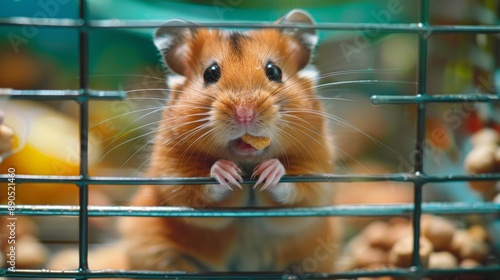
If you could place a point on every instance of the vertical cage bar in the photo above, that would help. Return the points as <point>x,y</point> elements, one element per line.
<point>84,114</point>
<point>420,133</point>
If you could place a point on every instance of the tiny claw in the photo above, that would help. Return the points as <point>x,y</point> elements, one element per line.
<point>258,182</point>
<point>270,172</point>
<point>225,172</point>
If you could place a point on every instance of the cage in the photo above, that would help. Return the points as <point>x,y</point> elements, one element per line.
<point>438,70</point>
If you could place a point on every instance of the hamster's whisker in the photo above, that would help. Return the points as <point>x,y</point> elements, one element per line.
<point>141,136</point>
<point>137,151</point>
<point>281,147</point>
<point>296,142</point>
<point>161,132</point>
<point>330,98</point>
<point>142,147</point>
<point>181,137</point>
<point>204,122</point>
<point>139,118</point>
<point>194,131</point>
<point>123,133</point>
<point>106,105</point>
<point>123,143</point>
<point>147,89</point>
<point>343,122</point>
<point>213,142</point>
<point>355,71</point>
<point>326,139</point>
<point>363,82</point>
<point>212,139</point>
<point>149,98</point>
<point>296,125</point>
<point>127,75</point>
<point>153,109</point>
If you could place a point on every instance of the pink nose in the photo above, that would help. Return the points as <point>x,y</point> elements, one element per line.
<point>244,114</point>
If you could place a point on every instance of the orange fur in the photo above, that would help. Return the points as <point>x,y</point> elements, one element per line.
<point>196,131</point>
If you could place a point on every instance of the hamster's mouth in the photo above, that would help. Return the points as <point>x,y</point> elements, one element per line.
<point>244,148</point>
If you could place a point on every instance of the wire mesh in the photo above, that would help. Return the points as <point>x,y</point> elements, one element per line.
<point>83,180</point>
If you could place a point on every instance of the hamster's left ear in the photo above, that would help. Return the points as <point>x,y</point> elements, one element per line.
<point>306,37</point>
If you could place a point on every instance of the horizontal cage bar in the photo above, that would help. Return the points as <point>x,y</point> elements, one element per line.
<point>410,272</point>
<point>426,98</point>
<point>452,208</point>
<point>386,27</point>
<point>78,95</point>
<point>330,178</point>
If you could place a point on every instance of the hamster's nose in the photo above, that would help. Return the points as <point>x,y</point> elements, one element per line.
<point>244,114</point>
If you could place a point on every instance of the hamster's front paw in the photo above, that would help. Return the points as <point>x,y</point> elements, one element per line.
<point>227,173</point>
<point>270,172</point>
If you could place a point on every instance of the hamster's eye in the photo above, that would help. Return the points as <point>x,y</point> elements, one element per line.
<point>273,72</point>
<point>212,74</point>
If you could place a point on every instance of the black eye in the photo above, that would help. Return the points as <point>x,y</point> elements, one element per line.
<point>273,72</point>
<point>212,74</point>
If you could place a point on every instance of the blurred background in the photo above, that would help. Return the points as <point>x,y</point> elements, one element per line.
<point>354,65</point>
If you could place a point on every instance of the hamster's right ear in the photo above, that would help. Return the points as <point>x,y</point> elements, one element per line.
<point>172,42</point>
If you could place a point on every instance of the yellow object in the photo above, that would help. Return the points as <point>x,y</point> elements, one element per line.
<point>46,143</point>
<point>257,142</point>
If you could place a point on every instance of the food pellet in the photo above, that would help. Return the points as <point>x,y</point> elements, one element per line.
<point>257,142</point>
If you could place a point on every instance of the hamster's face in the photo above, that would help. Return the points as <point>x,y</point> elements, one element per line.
<point>233,84</point>
<point>244,83</point>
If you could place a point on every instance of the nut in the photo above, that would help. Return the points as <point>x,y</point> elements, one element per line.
<point>402,252</point>
<point>376,234</point>
<point>442,260</point>
<point>460,238</point>
<point>438,230</point>
<point>478,232</point>
<point>397,231</point>
<point>485,136</point>
<point>469,263</point>
<point>474,250</point>
<point>481,159</point>
<point>257,142</point>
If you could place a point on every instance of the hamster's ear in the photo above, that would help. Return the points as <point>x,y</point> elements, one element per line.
<point>307,37</point>
<point>173,42</point>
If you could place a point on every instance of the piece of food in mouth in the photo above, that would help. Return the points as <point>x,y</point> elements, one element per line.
<point>257,142</point>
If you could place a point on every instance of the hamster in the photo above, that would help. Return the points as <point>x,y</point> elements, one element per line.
<point>228,84</point>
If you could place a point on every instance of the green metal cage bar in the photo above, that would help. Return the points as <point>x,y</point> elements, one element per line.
<point>418,178</point>
<point>386,28</point>
<point>77,95</point>
<point>83,215</point>
<point>420,133</point>
<point>456,208</point>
